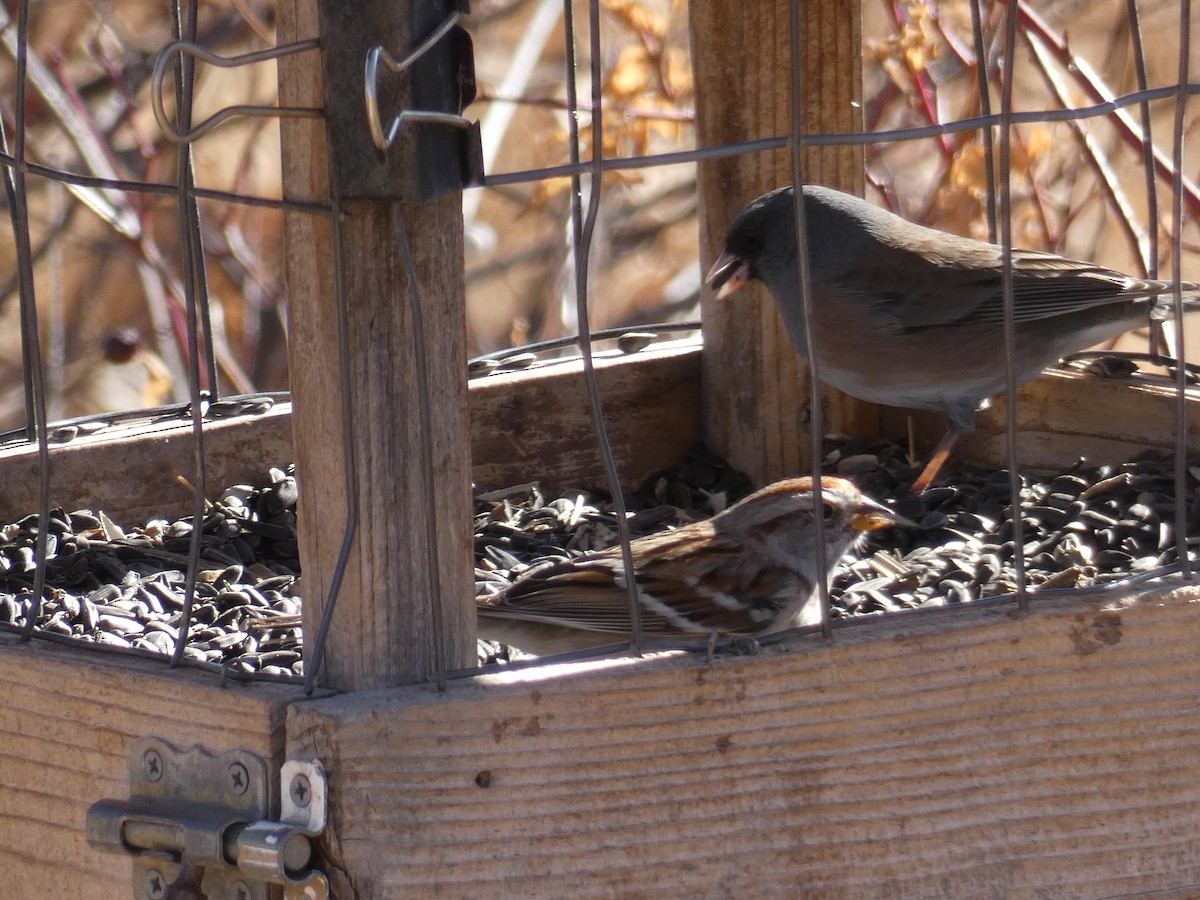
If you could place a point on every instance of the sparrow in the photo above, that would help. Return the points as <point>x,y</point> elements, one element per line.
<point>906,315</point>
<point>747,571</point>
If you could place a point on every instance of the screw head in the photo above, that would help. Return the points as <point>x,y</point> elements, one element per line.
<point>239,779</point>
<point>300,790</point>
<point>152,765</point>
<point>239,890</point>
<point>156,885</point>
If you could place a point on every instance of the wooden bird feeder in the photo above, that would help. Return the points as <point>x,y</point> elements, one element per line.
<point>980,753</point>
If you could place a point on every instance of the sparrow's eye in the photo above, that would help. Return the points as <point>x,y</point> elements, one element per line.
<point>828,511</point>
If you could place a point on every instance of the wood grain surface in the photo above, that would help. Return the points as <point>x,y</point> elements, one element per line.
<point>756,388</point>
<point>973,754</point>
<point>132,471</point>
<point>390,595</point>
<point>536,425</point>
<point>67,721</point>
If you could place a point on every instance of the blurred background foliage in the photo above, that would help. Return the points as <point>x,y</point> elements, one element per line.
<point>107,262</point>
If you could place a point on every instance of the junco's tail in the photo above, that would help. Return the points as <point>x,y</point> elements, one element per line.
<point>1163,293</point>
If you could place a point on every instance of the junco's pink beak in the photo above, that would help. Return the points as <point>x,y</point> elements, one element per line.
<point>728,274</point>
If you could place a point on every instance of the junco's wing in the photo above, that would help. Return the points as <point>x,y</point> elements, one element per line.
<point>1045,285</point>
<point>917,289</point>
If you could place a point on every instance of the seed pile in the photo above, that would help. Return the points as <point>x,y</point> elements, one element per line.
<point>124,586</point>
<point>1084,527</point>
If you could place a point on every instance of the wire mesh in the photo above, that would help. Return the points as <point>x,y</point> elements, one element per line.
<point>803,271</point>
<point>1005,122</point>
<point>997,32</point>
<point>183,300</point>
<point>1004,213</point>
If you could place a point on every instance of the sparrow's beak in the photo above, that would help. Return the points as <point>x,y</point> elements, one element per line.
<point>728,274</point>
<point>872,516</point>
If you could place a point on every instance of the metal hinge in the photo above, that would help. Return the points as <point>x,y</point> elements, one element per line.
<point>196,825</point>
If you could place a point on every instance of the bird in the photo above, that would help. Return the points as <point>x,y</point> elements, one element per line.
<point>749,570</point>
<point>906,315</point>
<point>124,374</point>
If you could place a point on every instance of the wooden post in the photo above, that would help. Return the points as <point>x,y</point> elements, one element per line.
<point>382,632</point>
<point>755,385</point>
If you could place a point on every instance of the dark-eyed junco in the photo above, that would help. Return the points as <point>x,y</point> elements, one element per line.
<point>748,570</point>
<point>911,316</point>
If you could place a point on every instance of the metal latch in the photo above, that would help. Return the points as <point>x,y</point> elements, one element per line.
<point>196,825</point>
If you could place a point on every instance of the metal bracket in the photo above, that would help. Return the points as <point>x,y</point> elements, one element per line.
<point>196,822</point>
<point>407,139</point>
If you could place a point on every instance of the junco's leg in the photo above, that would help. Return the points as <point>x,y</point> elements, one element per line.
<point>940,454</point>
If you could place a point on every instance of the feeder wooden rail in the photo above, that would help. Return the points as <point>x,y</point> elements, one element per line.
<point>980,753</point>
<point>975,753</point>
<point>654,411</point>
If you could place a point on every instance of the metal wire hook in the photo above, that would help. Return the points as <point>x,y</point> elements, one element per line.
<point>378,54</point>
<point>225,62</point>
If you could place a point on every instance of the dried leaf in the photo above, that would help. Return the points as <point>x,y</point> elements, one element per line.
<point>1031,144</point>
<point>637,18</point>
<point>911,49</point>
<point>958,209</point>
<point>969,169</point>
<point>634,73</point>
<point>547,190</point>
<point>678,74</point>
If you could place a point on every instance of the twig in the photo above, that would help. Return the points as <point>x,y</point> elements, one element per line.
<point>110,205</point>
<point>495,121</point>
<point>1099,92</point>
<point>1094,155</point>
<point>926,91</point>
<point>556,103</point>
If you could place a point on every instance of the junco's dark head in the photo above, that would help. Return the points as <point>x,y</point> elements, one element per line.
<point>906,315</point>
<point>761,242</point>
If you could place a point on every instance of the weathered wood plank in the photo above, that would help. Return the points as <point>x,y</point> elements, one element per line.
<point>756,387</point>
<point>1065,415</point>
<point>68,718</point>
<point>385,632</point>
<point>132,471</point>
<point>536,425</point>
<point>525,426</point>
<point>976,753</point>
